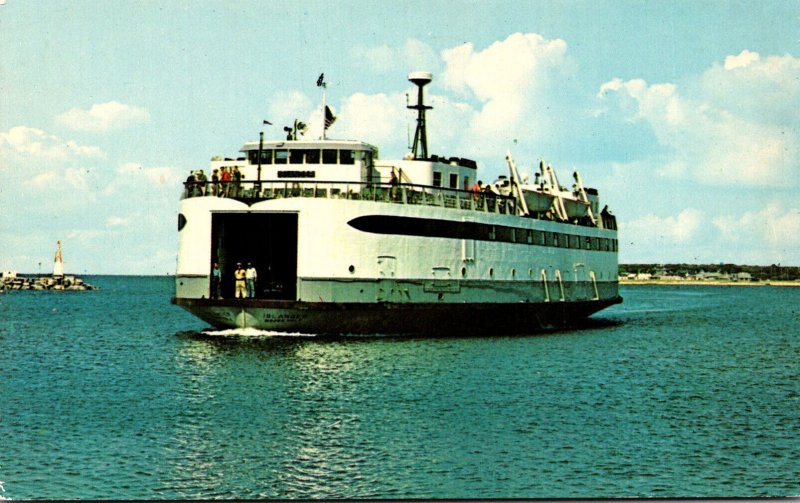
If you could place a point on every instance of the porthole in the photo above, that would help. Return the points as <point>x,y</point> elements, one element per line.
<point>513,273</point>
<point>181,221</point>
<point>463,272</point>
<point>491,272</point>
<point>352,269</point>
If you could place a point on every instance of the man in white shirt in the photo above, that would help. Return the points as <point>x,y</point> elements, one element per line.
<point>251,277</point>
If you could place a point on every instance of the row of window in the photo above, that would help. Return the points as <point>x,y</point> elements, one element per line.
<point>309,156</point>
<point>554,239</point>
<point>437,180</point>
<point>431,227</point>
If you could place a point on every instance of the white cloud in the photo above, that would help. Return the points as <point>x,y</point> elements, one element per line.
<point>33,143</point>
<point>763,91</point>
<point>510,80</point>
<point>379,59</point>
<point>501,89</point>
<point>413,55</point>
<point>66,180</point>
<point>673,229</point>
<point>132,177</point>
<point>43,179</point>
<point>418,55</point>
<point>743,59</point>
<point>735,126</point>
<point>285,107</point>
<point>376,118</point>
<point>114,221</point>
<point>103,117</point>
<point>512,66</point>
<point>771,226</point>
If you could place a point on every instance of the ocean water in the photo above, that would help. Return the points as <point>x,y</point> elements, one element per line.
<point>679,392</point>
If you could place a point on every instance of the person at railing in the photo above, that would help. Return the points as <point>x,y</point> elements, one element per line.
<point>237,182</point>
<point>394,190</point>
<point>476,190</point>
<point>226,181</point>
<point>192,185</point>
<point>215,182</point>
<point>202,182</point>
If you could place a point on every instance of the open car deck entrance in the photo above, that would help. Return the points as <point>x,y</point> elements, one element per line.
<point>267,240</point>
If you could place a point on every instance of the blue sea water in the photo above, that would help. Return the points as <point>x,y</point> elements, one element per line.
<point>679,392</point>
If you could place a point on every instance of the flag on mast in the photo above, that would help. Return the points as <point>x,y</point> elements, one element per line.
<point>321,81</point>
<point>329,117</point>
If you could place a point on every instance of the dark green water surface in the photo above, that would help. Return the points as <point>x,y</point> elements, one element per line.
<point>678,392</point>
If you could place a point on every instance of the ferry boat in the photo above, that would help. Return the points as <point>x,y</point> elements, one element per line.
<point>344,242</point>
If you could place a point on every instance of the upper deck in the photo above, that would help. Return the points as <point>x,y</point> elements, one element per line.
<point>252,191</point>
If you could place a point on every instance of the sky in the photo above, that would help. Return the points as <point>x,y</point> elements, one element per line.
<point>683,114</point>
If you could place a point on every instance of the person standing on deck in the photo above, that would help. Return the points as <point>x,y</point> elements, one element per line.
<point>190,184</point>
<point>239,275</point>
<point>251,275</point>
<point>202,182</point>
<point>216,280</point>
<point>477,189</point>
<point>393,188</point>
<point>237,182</point>
<point>215,182</point>
<point>226,182</point>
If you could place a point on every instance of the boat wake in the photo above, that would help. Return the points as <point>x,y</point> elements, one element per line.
<point>252,332</point>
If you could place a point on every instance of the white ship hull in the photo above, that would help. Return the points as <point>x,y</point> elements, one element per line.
<point>380,268</point>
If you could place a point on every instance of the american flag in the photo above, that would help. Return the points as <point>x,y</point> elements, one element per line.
<point>329,117</point>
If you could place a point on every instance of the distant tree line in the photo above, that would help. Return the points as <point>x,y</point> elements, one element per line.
<point>774,272</point>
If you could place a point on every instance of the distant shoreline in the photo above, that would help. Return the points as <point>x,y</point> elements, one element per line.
<point>673,282</point>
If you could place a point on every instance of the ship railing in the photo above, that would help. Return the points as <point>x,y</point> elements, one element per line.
<point>398,193</point>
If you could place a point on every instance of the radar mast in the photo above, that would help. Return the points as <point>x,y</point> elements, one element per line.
<point>420,149</point>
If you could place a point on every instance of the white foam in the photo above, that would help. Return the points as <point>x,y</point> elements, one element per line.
<point>253,332</point>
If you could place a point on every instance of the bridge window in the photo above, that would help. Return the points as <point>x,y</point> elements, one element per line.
<point>346,157</point>
<point>266,156</point>
<point>296,156</point>
<point>329,156</point>
<point>437,178</point>
<point>312,156</point>
<point>281,156</point>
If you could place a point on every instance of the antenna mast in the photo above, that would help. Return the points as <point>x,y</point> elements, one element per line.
<point>420,79</point>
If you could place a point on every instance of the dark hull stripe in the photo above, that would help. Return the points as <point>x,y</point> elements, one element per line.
<point>393,318</point>
<point>478,231</point>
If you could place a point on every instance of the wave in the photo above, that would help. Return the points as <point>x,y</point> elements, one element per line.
<point>252,332</point>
